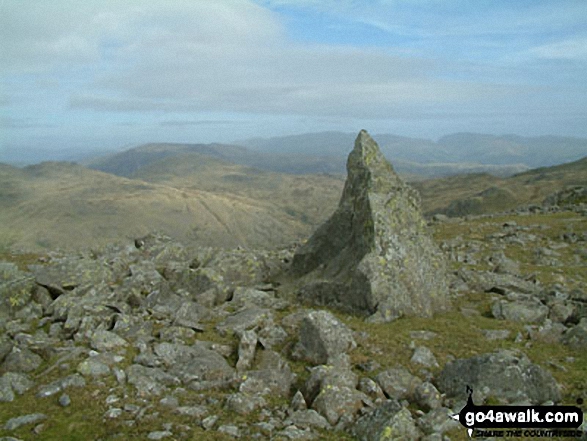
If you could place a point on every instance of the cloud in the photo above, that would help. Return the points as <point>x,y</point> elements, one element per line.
<point>22,123</point>
<point>210,122</point>
<point>570,49</point>
<point>204,59</point>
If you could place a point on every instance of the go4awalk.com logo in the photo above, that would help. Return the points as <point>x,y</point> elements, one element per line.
<point>520,421</point>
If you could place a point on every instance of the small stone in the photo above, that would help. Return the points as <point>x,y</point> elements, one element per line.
<point>229,430</point>
<point>209,422</point>
<point>64,400</point>
<point>298,402</point>
<point>424,356</point>
<point>113,413</point>
<point>159,435</point>
<point>246,350</point>
<point>495,334</point>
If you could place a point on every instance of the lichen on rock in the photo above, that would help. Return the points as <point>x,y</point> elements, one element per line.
<point>374,255</point>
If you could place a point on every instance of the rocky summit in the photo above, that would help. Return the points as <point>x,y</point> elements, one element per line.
<point>374,255</point>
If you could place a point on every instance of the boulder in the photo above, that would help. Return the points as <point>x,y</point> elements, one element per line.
<point>374,255</point>
<point>322,338</point>
<point>504,375</point>
<point>390,421</point>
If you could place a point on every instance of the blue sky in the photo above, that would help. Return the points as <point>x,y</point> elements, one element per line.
<point>105,74</point>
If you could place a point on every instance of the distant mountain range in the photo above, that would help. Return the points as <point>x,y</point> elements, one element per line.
<point>460,148</point>
<point>326,152</point>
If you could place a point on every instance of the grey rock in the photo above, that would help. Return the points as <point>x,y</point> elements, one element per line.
<point>93,368</point>
<point>149,381</point>
<point>271,336</point>
<point>486,281</point>
<point>496,334</point>
<point>427,396</point>
<point>13,382</point>
<point>107,341</point>
<point>275,381</point>
<point>336,402</point>
<point>209,422</point>
<point>250,297</point>
<point>398,383</point>
<point>15,423</point>
<point>504,375</point>
<point>6,392</point>
<point>250,318</point>
<point>197,412</point>
<point>309,419</point>
<point>246,350</point>
<point>438,421</point>
<point>75,380</point>
<point>547,332</point>
<point>229,430</point>
<point>298,402</point>
<point>374,254</point>
<point>322,338</point>
<point>530,310</point>
<point>171,402</point>
<point>293,432</point>
<point>193,362</point>
<point>244,404</point>
<point>371,389</point>
<point>159,435</point>
<point>424,356</point>
<point>561,312</point>
<point>64,400</point>
<point>390,421</point>
<point>189,315</point>
<point>504,265</point>
<point>576,337</point>
<point>22,360</point>
<point>6,346</point>
<point>113,413</point>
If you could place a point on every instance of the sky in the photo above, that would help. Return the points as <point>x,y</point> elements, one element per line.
<point>82,75</point>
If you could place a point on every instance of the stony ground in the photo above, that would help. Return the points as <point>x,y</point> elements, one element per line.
<point>159,341</point>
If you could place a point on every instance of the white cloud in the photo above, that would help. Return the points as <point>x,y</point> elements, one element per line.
<point>570,49</point>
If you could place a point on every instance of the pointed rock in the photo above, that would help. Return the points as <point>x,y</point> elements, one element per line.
<point>374,255</point>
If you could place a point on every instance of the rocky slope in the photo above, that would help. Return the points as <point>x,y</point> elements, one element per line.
<point>159,340</point>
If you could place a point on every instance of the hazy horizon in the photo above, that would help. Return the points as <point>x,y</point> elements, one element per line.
<point>108,75</point>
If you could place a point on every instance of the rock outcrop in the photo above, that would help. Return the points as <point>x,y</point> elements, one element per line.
<point>374,255</point>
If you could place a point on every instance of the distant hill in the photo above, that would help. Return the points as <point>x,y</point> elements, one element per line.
<point>306,155</point>
<point>69,206</point>
<point>459,148</point>
<point>128,162</point>
<point>483,193</point>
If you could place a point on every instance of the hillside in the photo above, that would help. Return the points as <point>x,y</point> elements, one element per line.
<point>483,193</point>
<point>203,198</point>
<point>130,161</point>
<point>68,206</point>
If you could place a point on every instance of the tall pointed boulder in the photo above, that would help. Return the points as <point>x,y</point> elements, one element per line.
<point>374,255</point>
